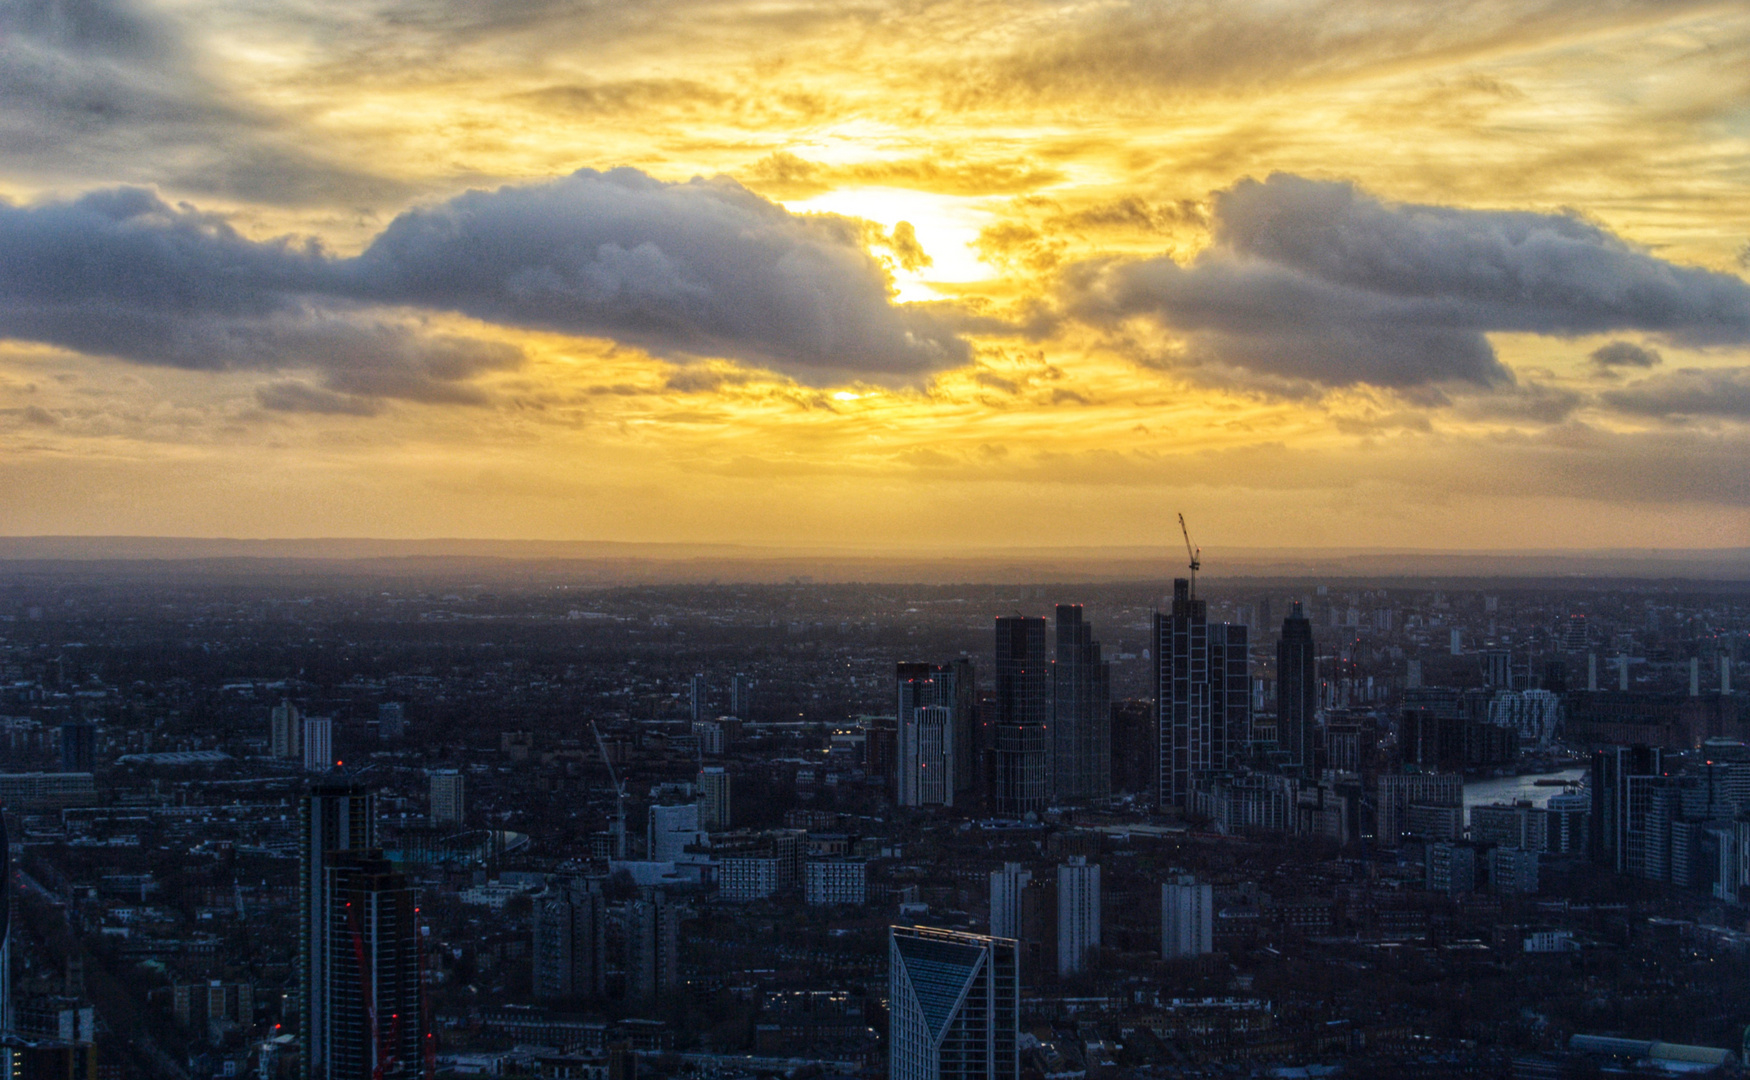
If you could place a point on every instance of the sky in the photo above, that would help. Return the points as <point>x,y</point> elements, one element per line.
<point>920,275</point>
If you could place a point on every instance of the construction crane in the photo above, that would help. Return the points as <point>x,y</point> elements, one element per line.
<point>618,829</point>
<point>1194,552</point>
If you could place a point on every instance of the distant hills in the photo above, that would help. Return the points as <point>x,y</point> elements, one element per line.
<point>609,562</point>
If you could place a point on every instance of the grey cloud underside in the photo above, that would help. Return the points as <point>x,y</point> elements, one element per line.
<point>700,268</point>
<point>1700,392</point>
<point>1320,281</point>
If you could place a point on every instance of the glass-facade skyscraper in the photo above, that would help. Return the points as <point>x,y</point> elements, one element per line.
<point>1081,714</point>
<point>1021,728</point>
<point>1296,689</point>
<point>1202,695</point>
<point>954,1005</point>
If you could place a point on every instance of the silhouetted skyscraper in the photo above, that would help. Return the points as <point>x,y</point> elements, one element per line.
<point>371,1024</point>
<point>1081,714</point>
<point>78,747</point>
<point>1202,694</point>
<point>954,1005</point>
<point>332,817</point>
<point>1021,728</point>
<point>447,799</point>
<point>288,731</point>
<point>1297,689</point>
<point>926,704</point>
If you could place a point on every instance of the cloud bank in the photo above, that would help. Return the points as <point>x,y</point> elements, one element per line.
<point>703,268</point>
<point>1322,282</point>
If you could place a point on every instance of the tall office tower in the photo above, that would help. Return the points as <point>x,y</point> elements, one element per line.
<point>652,946</point>
<point>925,699</point>
<point>671,830</point>
<point>1574,634</point>
<point>372,1019</point>
<point>701,697</point>
<point>318,743</point>
<point>954,1006</point>
<point>571,942</point>
<point>1081,713</point>
<point>78,747</point>
<point>1078,914</point>
<point>969,745</point>
<point>288,730</point>
<point>1021,727</point>
<point>1621,785</point>
<point>391,720</point>
<point>332,818</point>
<point>1187,919</point>
<point>714,792</point>
<point>447,805</point>
<point>1202,694</point>
<point>1297,689</point>
<point>741,696</point>
<point>1006,889</point>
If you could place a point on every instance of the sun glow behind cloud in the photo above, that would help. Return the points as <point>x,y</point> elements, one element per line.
<point>1079,334</point>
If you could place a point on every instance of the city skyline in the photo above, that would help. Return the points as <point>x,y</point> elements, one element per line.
<point>1417,278</point>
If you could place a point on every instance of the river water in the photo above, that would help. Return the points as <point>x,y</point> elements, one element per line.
<point>1508,789</point>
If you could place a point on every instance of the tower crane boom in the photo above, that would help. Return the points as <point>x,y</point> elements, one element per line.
<point>1195,553</point>
<point>618,828</point>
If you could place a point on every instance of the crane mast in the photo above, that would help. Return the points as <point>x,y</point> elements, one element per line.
<point>618,828</point>
<point>1195,553</point>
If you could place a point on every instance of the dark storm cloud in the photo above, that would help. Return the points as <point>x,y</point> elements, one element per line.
<point>698,268</point>
<point>1707,392</point>
<point>1625,354</point>
<point>1322,282</point>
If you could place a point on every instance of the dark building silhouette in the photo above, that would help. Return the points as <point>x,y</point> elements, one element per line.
<point>570,944</point>
<point>1297,689</point>
<point>78,747</point>
<point>1081,714</point>
<point>1202,695</point>
<point>936,710</point>
<point>332,818</point>
<point>1622,777</point>
<point>1021,726</point>
<point>652,946</point>
<point>1135,756</point>
<point>372,1020</point>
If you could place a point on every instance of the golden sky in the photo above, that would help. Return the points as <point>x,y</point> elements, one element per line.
<point>928,274</point>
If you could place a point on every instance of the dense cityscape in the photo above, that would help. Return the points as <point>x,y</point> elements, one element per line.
<point>357,824</point>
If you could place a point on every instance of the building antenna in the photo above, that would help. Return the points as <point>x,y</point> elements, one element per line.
<point>1194,552</point>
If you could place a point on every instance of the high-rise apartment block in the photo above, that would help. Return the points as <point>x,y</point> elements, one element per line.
<point>714,794</point>
<point>1078,914</point>
<point>288,731</point>
<point>1020,728</point>
<point>447,798</point>
<point>924,705</point>
<point>318,743</point>
<point>360,1010</point>
<point>699,697</point>
<point>570,943</point>
<point>741,697</point>
<point>1006,888</point>
<point>1297,690</point>
<point>372,1020</point>
<point>1081,714</point>
<point>1202,694</point>
<point>1187,919</point>
<point>954,1005</point>
<point>652,946</point>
